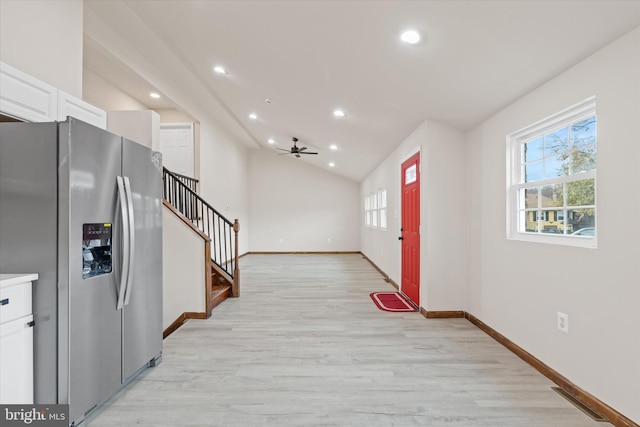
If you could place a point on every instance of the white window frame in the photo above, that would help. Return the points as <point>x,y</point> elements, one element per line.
<point>515,172</point>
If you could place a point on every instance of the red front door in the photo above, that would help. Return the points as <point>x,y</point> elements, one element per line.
<point>410,232</point>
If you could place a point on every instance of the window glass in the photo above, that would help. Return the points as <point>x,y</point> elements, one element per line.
<point>556,142</point>
<point>581,193</point>
<point>410,174</point>
<point>553,167</point>
<point>533,171</point>
<point>533,150</point>
<point>531,197</point>
<point>584,132</point>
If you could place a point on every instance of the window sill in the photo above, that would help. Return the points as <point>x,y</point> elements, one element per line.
<point>563,240</point>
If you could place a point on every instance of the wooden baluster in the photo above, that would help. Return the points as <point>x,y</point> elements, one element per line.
<point>235,289</point>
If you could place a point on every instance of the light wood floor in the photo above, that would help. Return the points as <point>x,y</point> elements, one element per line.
<point>304,345</point>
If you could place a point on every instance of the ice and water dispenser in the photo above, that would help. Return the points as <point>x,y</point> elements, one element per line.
<point>96,249</point>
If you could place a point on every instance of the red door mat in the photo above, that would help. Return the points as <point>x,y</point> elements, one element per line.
<point>391,301</point>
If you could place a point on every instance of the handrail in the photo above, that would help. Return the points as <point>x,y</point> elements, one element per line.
<point>221,231</point>
<point>190,182</point>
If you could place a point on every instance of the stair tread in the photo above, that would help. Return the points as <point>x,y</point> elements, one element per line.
<point>219,289</point>
<point>219,293</point>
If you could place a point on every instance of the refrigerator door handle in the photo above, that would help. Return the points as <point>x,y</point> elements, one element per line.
<point>126,234</point>
<point>132,239</point>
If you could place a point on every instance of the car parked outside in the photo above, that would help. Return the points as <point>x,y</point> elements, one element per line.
<point>587,231</point>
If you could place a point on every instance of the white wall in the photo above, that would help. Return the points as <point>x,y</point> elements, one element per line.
<point>99,92</point>
<point>443,214</point>
<point>183,280</point>
<point>444,196</point>
<point>43,38</point>
<point>173,116</point>
<point>224,178</point>
<point>517,288</point>
<point>141,126</point>
<point>297,207</point>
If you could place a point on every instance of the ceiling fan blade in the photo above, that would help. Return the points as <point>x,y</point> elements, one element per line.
<point>281,154</point>
<point>302,149</point>
<point>298,155</point>
<point>282,149</point>
<point>308,152</point>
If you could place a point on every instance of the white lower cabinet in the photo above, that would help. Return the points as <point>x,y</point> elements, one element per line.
<point>16,339</point>
<point>16,361</point>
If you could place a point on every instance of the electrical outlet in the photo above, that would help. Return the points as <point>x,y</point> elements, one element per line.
<point>563,322</point>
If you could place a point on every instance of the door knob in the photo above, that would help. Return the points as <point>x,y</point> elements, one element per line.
<point>400,238</point>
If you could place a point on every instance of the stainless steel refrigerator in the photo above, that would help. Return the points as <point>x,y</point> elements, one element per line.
<point>82,208</point>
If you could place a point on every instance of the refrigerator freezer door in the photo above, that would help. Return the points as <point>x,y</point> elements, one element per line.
<point>90,161</point>
<point>142,330</point>
<point>28,230</point>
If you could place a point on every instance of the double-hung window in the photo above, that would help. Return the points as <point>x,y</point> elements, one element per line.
<point>382,208</point>
<point>552,179</point>
<point>367,210</point>
<point>375,209</point>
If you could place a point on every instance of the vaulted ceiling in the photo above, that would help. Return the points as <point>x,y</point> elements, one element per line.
<point>309,58</point>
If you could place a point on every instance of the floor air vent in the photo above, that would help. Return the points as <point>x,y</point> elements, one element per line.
<point>584,408</point>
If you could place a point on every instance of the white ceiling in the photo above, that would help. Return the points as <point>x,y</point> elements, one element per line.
<point>310,57</point>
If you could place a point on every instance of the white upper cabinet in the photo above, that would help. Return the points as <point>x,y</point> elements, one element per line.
<point>27,98</point>
<point>74,107</point>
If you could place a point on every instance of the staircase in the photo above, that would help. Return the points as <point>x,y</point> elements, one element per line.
<point>222,275</point>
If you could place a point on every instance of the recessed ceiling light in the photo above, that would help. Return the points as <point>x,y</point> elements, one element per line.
<point>253,116</point>
<point>331,165</point>
<point>333,147</point>
<point>219,69</point>
<point>271,141</point>
<point>410,36</point>
<point>154,95</point>
<point>339,113</point>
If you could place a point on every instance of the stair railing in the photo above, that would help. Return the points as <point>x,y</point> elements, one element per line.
<point>190,182</point>
<point>222,232</point>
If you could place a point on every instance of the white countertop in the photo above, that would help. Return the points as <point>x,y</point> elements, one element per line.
<point>7,280</point>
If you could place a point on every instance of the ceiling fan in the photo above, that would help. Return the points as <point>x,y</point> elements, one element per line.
<point>295,150</point>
